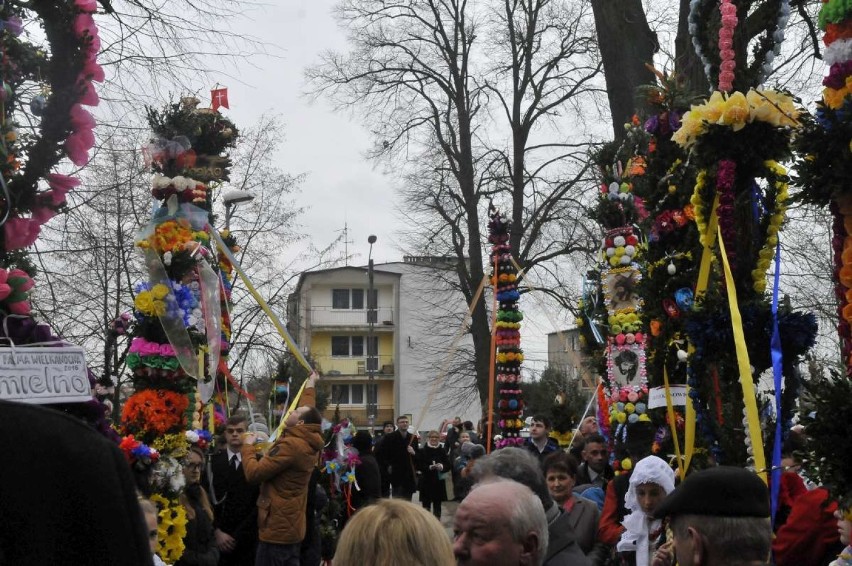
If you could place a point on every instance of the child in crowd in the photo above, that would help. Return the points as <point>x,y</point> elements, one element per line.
<point>652,479</point>
<point>150,512</point>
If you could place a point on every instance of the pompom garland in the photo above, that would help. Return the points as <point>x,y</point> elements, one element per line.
<point>510,356</point>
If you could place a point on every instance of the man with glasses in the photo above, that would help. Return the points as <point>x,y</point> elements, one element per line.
<point>234,499</point>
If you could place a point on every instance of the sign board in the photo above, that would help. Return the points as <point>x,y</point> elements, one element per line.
<point>42,375</point>
<point>657,396</point>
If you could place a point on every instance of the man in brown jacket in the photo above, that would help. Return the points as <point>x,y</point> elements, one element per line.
<point>284,474</point>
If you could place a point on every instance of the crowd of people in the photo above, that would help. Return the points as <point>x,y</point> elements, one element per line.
<point>535,505</point>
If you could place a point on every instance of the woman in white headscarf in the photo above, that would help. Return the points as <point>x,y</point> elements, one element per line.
<point>652,479</point>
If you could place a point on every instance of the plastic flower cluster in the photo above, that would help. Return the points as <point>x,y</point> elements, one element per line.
<point>726,45</point>
<point>736,111</point>
<point>155,411</point>
<point>187,189</point>
<point>188,306</point>
<point>173,236</point>
<point>629,406</point>
<point>624,322</point>
<point>199,437</point>
<point>15,286</point>
<point>171,528</point>
<point>152,301</point>
<point>621,250</point>
<point>137,453</point>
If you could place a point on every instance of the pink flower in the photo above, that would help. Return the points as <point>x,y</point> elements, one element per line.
<point>21,307</point>
<point>136,344</point>
<point>77,147</point>
<point>88,95</point>
<point>86,5</point>
<point>62,183</point>
<point>92,71</point>
<point>20,233</point>
<point>81,118</point>
<point>84,24</point>
<point>26,282</point>
<point>167,350</point>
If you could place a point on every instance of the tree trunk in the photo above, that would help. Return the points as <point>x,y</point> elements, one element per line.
<point>626,44</point>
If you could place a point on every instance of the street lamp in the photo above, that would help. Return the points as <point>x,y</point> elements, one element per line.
<point>232,199</point>
<point>372,359</point>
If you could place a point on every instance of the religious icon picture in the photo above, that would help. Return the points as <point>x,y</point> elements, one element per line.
<point>627,366</point>
<point>620,289</point>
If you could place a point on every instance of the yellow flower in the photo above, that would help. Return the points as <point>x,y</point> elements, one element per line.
<point>143,302</point>
<point>736,112</point>
<point>713,109</point>
<point>159,308</point>
<point>160,291</point>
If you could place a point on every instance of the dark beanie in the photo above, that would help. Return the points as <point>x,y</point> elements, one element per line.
<point>723,491</point>
<point>362,441</point>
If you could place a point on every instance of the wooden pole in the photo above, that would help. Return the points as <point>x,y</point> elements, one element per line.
<point>491,369</point>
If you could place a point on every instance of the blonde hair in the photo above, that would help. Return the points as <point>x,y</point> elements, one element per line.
<point>394,532</point>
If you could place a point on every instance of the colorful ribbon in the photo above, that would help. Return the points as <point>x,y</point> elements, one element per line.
<point>777,359</point>
<point>749,399</point>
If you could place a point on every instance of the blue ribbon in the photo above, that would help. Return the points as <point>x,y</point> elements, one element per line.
<point>775,347</point>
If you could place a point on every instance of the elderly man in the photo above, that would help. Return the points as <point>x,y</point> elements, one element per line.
<point>284,474</point>
<point>501,523</point>
<point>719,517</point>
<point>521,466</point>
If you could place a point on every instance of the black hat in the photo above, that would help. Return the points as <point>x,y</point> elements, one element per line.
<point>724,491</point>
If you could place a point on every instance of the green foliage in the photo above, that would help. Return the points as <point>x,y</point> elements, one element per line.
<point>541,395</point>
<point>827,458</point>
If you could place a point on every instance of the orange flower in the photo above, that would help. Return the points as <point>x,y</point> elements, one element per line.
<point>655,327</point>
<point>689,211</point>
<point>154,411</point>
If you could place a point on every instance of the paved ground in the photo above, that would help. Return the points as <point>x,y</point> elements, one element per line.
<point>448,511</point>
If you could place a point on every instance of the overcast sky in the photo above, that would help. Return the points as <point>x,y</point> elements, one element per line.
<point>341,186</point>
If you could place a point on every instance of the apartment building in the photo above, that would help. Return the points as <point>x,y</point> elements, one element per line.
<point>385,366</point>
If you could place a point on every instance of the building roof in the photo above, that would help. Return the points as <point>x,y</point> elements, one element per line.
<point>319,272</point>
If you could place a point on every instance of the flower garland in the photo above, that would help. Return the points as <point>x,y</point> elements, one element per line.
<point>66,128</point>
<point>171,528</point>
<point>736,111</point>
<point>725,177</point>
<point>777,175</point>
<point>726,45</point>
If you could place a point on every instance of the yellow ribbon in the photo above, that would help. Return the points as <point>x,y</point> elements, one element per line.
<point>752,416</point>
<point>700,288</point>
<point>291,344</point>
<point>681,469</point>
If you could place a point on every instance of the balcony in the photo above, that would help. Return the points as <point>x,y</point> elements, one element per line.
<point>338,318</point>
<point>332,366</point>
<point>357,414</point>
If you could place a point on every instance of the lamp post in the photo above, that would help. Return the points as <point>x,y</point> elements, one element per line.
<point>372,359</point>
<point>232,199</point>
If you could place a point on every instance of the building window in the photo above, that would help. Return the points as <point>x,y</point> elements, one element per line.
<point>353,346</point>
<point>350,393</point>
<point>340,345</point>
<point>351,299</point>
<point>340,298</point>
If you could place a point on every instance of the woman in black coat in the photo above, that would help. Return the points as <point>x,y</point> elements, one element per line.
<point>432,463</point>
<point>367,473</point>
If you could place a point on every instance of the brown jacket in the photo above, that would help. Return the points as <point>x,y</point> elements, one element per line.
<point>285,472</point>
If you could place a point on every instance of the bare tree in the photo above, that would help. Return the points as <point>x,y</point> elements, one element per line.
<point>467,101</point>
<point>89,266</point>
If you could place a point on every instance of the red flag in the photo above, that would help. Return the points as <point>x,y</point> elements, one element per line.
<point>219,98</point>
